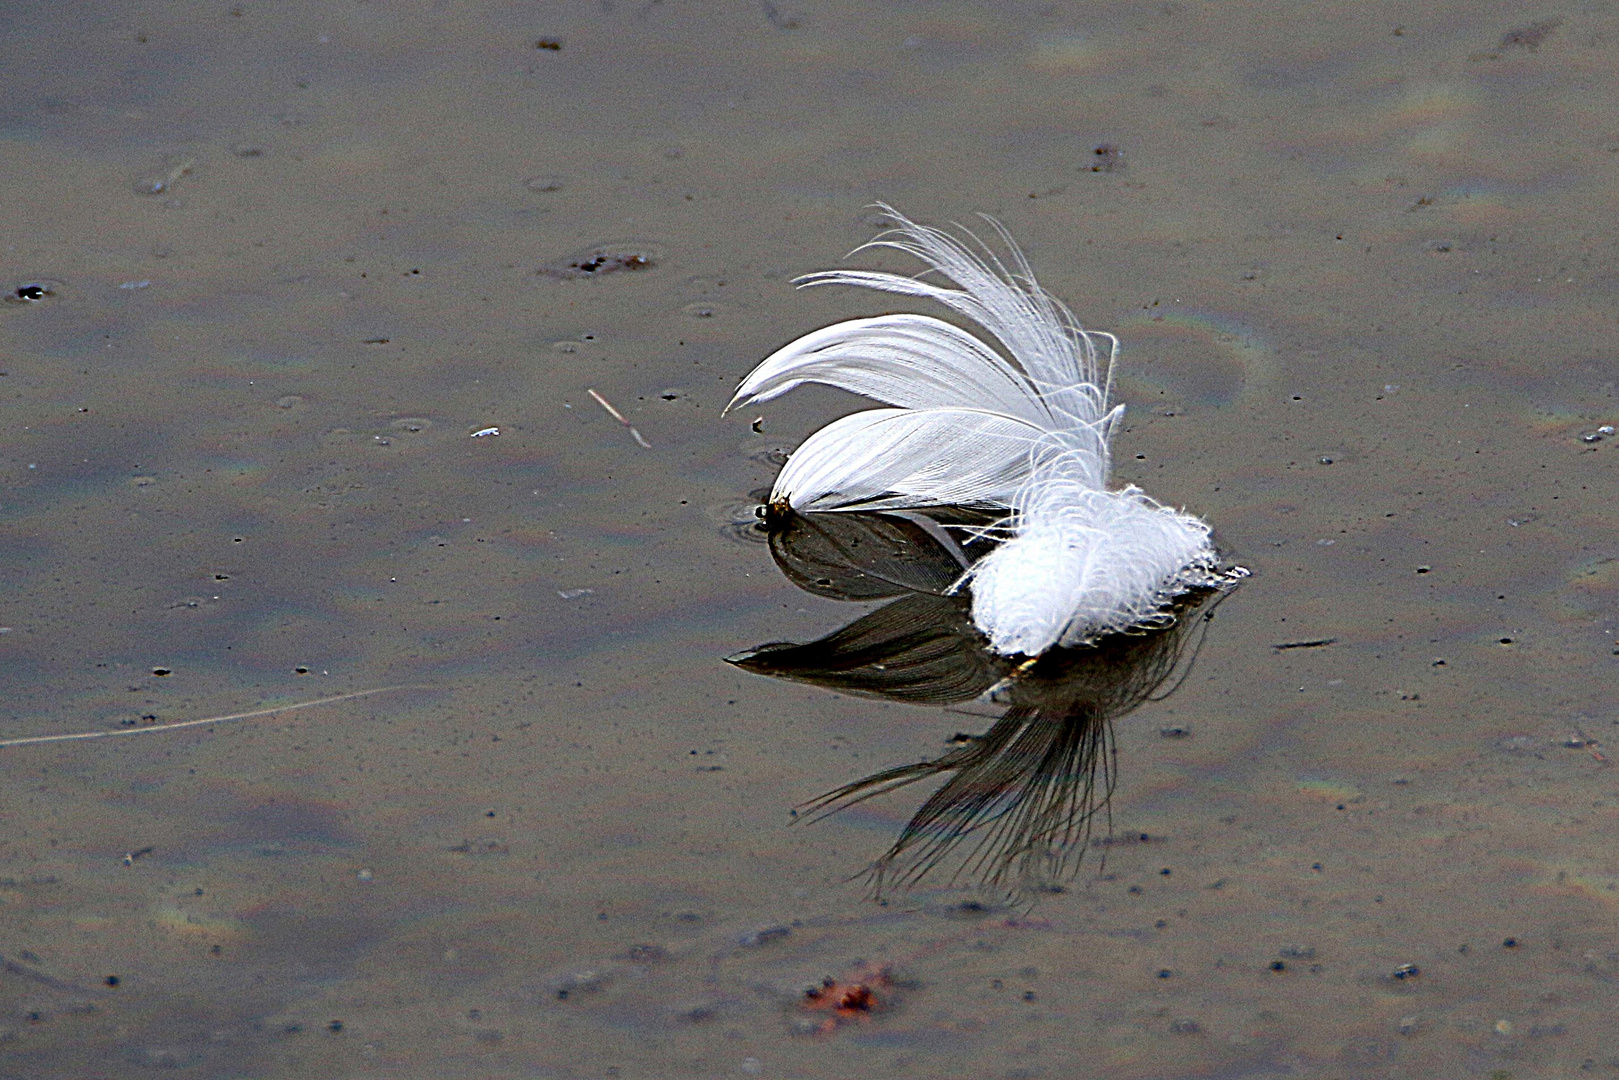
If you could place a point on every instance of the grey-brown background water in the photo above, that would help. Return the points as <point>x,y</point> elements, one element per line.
<point>1361,256</point>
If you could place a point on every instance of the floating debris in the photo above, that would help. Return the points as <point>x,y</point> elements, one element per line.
<point>603,259</point>
<point>158,182</point>
<point>616,415</point>
<point>33,292</point>
<point>578,983</point>
<point>484,433</point>
<point>1106,157</point>
<point>1312,643</point>
<point>763,936</point>
<point>846,1000</point>
<point>36,739</point>
<point>1529,37</point>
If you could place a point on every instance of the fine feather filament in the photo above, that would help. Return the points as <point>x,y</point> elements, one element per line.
<point>1025,428</point>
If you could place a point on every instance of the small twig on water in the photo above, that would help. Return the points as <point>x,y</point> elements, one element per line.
<point>1313,643</point>
<point>616,415</point>
<point>35,739</point>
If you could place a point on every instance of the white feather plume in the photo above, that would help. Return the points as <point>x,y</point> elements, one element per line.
<point>1026,428</point>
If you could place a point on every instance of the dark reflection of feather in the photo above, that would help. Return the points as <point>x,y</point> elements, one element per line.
<point>1018,802</point>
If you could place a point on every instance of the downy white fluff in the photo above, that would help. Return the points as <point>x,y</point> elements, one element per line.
<point>1026,428</point>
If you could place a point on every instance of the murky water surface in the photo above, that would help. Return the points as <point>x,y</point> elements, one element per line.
<point>271,266</point>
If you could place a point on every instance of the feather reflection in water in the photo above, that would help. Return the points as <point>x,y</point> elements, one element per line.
<point>1018,802</point>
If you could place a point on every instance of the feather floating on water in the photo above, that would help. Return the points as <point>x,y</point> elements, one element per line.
<point>1021,422</point>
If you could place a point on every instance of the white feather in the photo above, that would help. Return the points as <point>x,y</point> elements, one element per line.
<point>1027,429</point>
<point>895,459</point>
<point>913,361</point>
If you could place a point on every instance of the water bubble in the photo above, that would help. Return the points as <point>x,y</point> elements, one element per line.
<point>742,521</point>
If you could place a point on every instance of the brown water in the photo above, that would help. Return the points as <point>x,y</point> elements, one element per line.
<point>1361,256</point>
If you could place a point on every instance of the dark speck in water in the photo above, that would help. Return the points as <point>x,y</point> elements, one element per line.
<point>604,259</point>
<point>1529,37</point>
<point>32,292</point>
<point>1106,157</point>
<point>753,939</point>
